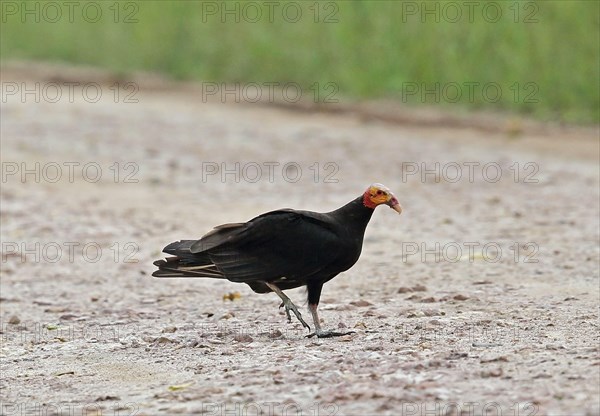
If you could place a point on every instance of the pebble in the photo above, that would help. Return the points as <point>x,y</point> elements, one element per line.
<point>361,303</point>
<point>243,338</point>
<point>169,329</point>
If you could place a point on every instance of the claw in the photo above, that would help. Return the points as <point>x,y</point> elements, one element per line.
<point>287,311</point>
<point>289,306</point>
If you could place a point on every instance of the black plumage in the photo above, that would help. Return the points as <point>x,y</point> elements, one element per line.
<point>281,250</point>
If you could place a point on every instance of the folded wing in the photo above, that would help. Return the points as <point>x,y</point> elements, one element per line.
<point>280,244</point>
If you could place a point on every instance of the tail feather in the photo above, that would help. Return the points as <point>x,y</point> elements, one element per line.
<point>179,248</point>
<point>186,264</point>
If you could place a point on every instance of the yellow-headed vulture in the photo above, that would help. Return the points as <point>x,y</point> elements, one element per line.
<point>281,250</point>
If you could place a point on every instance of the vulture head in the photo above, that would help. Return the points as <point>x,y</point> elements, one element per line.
<point>378,194</point>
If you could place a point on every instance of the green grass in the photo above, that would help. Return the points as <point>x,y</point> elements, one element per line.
<point>375,49</point>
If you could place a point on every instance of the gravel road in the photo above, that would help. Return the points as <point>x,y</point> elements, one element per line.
<point>480,299</point>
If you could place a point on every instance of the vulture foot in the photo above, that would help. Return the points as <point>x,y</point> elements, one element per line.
<point>289,306</point>
<point>328,334</point>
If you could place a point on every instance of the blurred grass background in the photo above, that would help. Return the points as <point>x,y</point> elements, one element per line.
<point>370,49</point>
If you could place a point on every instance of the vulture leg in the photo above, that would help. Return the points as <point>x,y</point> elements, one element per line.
<point>314,293</point>
<point>289,305</point>
<point>319,332</point>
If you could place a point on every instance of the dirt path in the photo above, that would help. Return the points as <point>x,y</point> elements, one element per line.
<point>510,327</point>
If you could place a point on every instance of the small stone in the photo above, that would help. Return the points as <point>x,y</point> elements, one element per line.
<point>14,320</point>
<point>164,340</point>
<point>433,312</point>
<point>404,289</point>
<point>460,297</point>
<point>497,372</point>
<point>455,355</point>
<point>419,288</point>
<point>169,329</point>
<point>361,303</point>
<point>107,398</point>
<point>501,358</point>
<point>243,338</point>
<point>485,345</point>
<point>374,348</point>
<point>430,299</point>
<point>275,334</point>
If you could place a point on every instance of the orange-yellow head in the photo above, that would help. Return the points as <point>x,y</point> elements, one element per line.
<point>378,194</point>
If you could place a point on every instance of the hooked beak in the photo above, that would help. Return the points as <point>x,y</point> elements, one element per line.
<point>395,205</point>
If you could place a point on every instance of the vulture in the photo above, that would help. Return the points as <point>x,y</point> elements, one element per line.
<point>281,250</point>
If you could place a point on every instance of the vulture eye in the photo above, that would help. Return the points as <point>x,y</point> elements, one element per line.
<point>379,192</point>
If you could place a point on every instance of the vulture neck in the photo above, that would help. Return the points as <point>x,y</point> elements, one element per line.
<point>354,214</point>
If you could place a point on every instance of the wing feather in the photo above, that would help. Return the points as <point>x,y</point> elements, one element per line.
<point>286,244</point>
<point>281,243</point>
